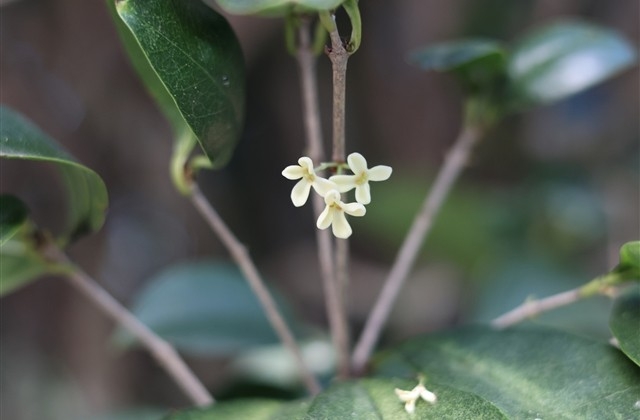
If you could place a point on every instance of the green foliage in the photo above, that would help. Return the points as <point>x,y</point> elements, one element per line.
<point>526,373</point>
<point>87,194</point>
<point>276,7</point>
<point>629,266</point>
<point>21,265</point>
<point>547,65</point>
<point>204,308</point>
<point>13,214</point>
<point>625,323</point>
<point>197,62</point>
<point>476,373</point>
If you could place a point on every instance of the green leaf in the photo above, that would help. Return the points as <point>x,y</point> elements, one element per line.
<point>625,323</point>
<point>87,194</point>
<point>276,7</point>
<point>21,265</point>
<point>254,409</point>
<point>563,59</point>
<point>204,308</point>
<point>629,266</point>
<point>196,56</point>
<point>13,214</point>
<point>526,373</point>
<point>478,63</point>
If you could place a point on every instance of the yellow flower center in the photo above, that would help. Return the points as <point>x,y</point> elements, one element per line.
<point>361,178</point>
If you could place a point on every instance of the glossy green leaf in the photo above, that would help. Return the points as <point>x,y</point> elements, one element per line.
<point>478,63</point>
<point>195,54</point>
<point>625,323</point>
<point>562,59</point>
<point>276,7</point>
<point>204,308</point>
<point>526,373</point>
<point>87,194</point>
<point>373,398</point>
<point>13,214</point>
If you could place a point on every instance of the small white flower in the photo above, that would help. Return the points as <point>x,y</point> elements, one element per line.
<point>410,397</point>
<point>361,177</point>
<point>334,214</point>
<point>308,178</point>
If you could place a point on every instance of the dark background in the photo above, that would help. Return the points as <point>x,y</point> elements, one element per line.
<point>544,206</point>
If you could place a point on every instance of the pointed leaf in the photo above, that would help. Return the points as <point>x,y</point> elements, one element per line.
<point>562,59</point>
<point>13,214</point>
<point>254,409</point>
<point>20,265</point>
<point>204,308</point>
<point>196,56</point>
<point>625,323</point>
<point>87,194</point>
<point>276,7</point>
<point>526,373</point>
<point>478,63</point>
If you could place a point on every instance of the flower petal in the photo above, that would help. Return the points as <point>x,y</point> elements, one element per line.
<point>331,197</point>
<point>410,406</point>
<point>357,163</point>
<point>293,172</point>
<point>340,226</point>
<point>380,173</point>
<point>344,182</point>
<point>354,209</point>
<point>428,396</point>
<point>406,395</point>
<point>323,186</point>
<point>300,192</point>
<point>325,218</point>
<point>306,163</point>
<point>363,193</point>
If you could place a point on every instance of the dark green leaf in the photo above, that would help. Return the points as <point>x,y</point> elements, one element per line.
<point>20,266</point>
<point>478,63</point>
<point>20,139</point>
<point>562,59</point>
<point>196,56</point>
<point>625,323</point>
<point>13,214</point>
<point>526,373</point>
<point>204,308</point>
<point>276,7</point>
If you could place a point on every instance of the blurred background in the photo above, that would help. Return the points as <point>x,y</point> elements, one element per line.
<point>546,202</point>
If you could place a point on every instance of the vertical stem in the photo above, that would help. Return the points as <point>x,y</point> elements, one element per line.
<point>455,162</point>
<point>339,58</point>
<point>241,257</point>
<point>163,352</point>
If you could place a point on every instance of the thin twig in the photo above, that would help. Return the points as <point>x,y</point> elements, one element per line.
<point>339,57</point>
<point>533,308</point>
<point>163,352</point>
<point>334,305</point>
<point>455,161</point>
<point>241,257</point>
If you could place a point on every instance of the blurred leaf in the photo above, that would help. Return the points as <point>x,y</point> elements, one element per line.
<point>629,266</point>
<point>87,201</point>
<point>562,59</point>
<point>196,56</point>
<point>276,7</point>
<point>625,323</point>
<point>204,308</point>
<point>254,409</point>
<point>526,373</point>
<point>478,63</point>
<point>362,399</point>
<point>20,266</point>
<point>13,214</point>
<point>142,413</point>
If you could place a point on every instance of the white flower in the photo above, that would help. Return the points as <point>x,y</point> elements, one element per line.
<point>361,177</point>
<point>308,178</point>
<point>334,214</point>
<point>410,397</point>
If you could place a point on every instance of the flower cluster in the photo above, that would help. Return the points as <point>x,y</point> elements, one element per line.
<point>330,189</point>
